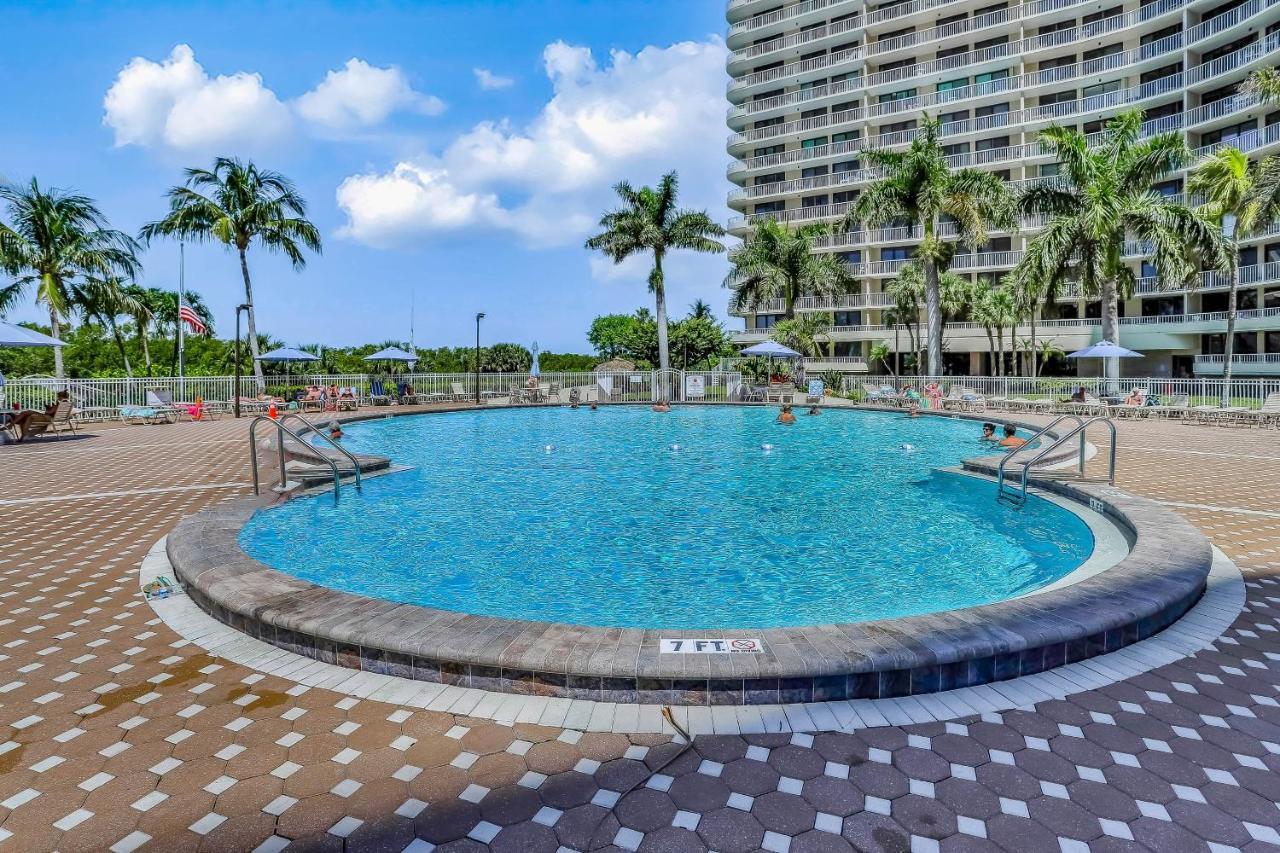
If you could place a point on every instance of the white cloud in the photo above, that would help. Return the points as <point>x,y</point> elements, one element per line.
<point>640,116</point>
<point>488,80</point>
<point>175,104</point>
<point>362,95</point>
<point>386,207</point>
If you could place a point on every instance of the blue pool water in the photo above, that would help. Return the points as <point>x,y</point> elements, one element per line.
<point>613,527</point>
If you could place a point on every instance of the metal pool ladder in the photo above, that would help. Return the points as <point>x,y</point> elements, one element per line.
<point>1016,495</point>
<point>281,432</point>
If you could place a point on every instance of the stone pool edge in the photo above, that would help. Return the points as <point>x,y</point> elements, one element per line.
<point>1156,583</point>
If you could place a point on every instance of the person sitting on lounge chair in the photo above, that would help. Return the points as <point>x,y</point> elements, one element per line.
<point>20,419</point>
<point>1079,396</point>
<point>1135,398</point>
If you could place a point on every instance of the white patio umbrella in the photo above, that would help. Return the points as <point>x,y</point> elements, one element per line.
<point>1105,349</point>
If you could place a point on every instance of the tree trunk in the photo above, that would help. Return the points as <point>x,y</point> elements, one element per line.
<point>991,345</point>
<point>119,339</point>
<point>933,314</point>
<point>897,352</point>
<point>1035,367</point>
<point>1110,332</point>
<point>143,332</point>
<point>1229,345</point>
<point>55,328</point>
<point>660,300</point>
<point>253,325</point>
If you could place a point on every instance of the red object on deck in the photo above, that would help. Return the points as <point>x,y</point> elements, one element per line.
<point>271,411</point>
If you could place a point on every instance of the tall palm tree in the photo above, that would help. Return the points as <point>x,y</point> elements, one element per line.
<point>777,262</point>
<point>700,310</point>
<point>1229,185</point>
<point>919,186</point>
<point>1105,196</point>
<point>238,204</point>
<point>56,243</point>
<point>650,222</point>
<point>1031,289</point>
<point>104,301</point>
<point>906,292</point>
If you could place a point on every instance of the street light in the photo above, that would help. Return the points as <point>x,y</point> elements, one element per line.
<point>236,391</point>
<point>479,317</point>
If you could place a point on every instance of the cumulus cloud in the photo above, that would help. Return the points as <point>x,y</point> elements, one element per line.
<point>362,95</point>
<point>637,117</point>
<point>176,104</point>
<point>488,80</point>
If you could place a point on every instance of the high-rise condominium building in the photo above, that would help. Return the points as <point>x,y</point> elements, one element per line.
<point>815,82</point>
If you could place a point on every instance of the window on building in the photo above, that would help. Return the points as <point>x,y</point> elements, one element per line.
<point>844,197</point>
<point>1160,73</point>
<point>900,95</point>
<point>991,110</point>
<point>847,318</point>
<point>815,171</point>
<point>1101,15</point>
<point>1163,306</point>
<point>1058,98</point>
<point>1171,30</point>
<point>895,253</point>
<point>814,142</point>
<point>955,149</point>
<point>1057,27</point>
<point>846,166</point>
<point>987,44</point>
<point>815,201</point>
<point>767,321</point>
<point>992,143</point>
<point>1102,52</point>
<point>1230,133</point>
<point>1093,310</point>
<point>952,118</point>
<point>770,207</point>
<point>818,113</point>
<point>776,177</point>
<point>949,85</point>
<point>766,150</point>
<point>847,136</point>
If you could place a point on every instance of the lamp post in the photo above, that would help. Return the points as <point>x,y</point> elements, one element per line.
<point>236,391</point>
<point>479,317</point>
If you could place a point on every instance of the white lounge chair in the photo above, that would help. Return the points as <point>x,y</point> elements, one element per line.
<point>1268,415</point>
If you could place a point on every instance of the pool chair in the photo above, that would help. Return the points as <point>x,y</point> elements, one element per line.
<point>145,415</point>
<point>312,400</point>
<point>404,393</point>
<point>347,400</point>
<point>378,395</point>
<point>458,393</point>
<point>1268,415</point>
<point>1176,407</point>
<point>162,398</point>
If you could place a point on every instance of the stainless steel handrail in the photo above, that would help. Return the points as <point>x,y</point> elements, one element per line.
<point>1080,429</point>
<point>1045,430</point>
<point>282,431</point>
<point>338,447</point>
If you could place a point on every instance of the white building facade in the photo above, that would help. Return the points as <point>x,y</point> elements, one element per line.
<point>815,82</point>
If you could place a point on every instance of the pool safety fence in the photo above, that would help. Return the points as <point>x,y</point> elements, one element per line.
<point>100,399</point>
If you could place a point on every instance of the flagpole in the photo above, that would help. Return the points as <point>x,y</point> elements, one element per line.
<point>182,292</point>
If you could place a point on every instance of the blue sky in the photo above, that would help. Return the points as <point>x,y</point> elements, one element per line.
<point>459,150</point>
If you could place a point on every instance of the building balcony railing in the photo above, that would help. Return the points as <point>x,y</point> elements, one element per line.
<point>793,99</point>
<point>1234,60</point>
<point>973,24</point>
<point>793,127</point>
<point>1225,107</point>
<point>786,13</point>
<point>1247,358</point>
<point>1227,20</point>
<point>793,40</point>
<point>793,69</point>
<point>937,66</point>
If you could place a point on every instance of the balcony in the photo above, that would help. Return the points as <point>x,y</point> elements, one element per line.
<point>793,99</point>
<point>787,13</point>
<point>1252,364</point>
<point>790,128</point>
<point>1227,20</point>
<point>974,24</point>
<point>1232,61</point>
<point>795,69</point>
<point>796,40</point>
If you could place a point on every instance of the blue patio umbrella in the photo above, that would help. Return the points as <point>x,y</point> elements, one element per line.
<point>534,370</point>
<point>287,356</point>
<point>393,354</point>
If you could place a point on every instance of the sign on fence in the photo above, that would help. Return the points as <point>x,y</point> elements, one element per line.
<point>694,387</point>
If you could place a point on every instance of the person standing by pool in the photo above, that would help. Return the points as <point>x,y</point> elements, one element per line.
<point>1011,439</point>
<point>785,416</point>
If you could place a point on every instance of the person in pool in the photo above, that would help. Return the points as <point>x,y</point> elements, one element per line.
<point>1011,439</point>
<point>914,411</point>
<point>989,432</point>
<point>814,410</point>
<point>785,416</point>
<point>661,406</point>
<point>594,406</point>
<point>335,430</point>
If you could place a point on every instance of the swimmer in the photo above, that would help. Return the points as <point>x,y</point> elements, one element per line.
<point>1011,439</point>
<point>989,432</point>
<point>661,406</point>
<point>594,406</point>
<point>914,411</point>
<point>814,410</point>
<point>785,416</point>
<point>335,430</point>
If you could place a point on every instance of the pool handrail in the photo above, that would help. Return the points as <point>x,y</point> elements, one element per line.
<point>282,431</point>
<point>338,447</point>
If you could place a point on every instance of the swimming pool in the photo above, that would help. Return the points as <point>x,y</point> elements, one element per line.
<point>625,518</point>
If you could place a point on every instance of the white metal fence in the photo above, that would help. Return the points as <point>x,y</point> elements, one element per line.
<point>1246,392</point>
<point>102,398</point>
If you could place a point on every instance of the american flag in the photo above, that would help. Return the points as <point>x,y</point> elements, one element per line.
<point>194,323</point>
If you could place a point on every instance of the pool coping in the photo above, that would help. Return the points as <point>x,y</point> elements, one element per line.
<point>1160,579</point>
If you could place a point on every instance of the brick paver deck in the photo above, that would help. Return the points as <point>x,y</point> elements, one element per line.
<point>117,734</point>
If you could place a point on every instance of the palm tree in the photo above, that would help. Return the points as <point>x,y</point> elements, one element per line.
<point>649,221</point>
<point>905,291</point>
<point>1263,84</point>
<point>1104,196</point>
<point>58,242</point>
<point>1031,289</point>
<point>700,310</point>
<point>105,300</point>
<point>1229,186</point>
<point>1002,312</point>
<point>983,312</point>
<point>778,263</point>
<point>237,204</point>
<point>923,189</point>
<point>880,352</point>
<point>804,333</point>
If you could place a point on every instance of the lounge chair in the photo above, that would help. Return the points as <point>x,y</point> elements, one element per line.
<point>1177,405</point>
<point>347,399</point>
<point>1091,406</point>
<point>146,415</point>
<point>162,398</point>
<point>378,395</point>
<point>1129,410</point>
<point>1269,414</point>
<point>810,398</point>
<point>40,423</point>
<point>457,393</point>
